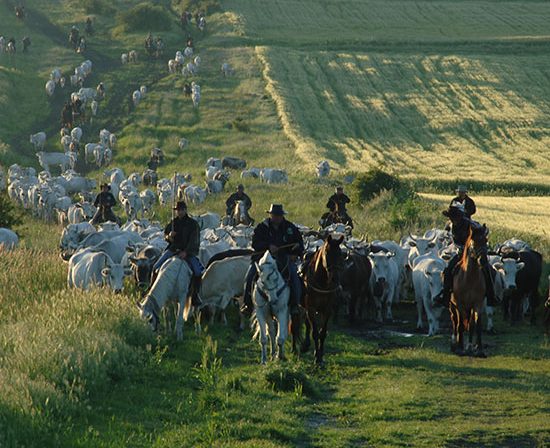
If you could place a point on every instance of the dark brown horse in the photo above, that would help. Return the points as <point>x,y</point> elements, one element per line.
<point>468,294</point>
<point>321,287</point>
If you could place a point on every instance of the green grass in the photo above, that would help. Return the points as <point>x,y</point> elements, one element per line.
<point>81,369</point>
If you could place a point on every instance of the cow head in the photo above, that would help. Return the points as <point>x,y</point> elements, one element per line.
<point>380,263</point>
<point>113,276</point>
<point>510,268</point>
<point>141,268</point>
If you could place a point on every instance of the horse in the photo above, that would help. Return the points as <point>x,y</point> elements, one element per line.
<point>468,295</point>
<point>336,216</point>
<point>240,215</point>
<point>271,295</point>
<point>321,287</point>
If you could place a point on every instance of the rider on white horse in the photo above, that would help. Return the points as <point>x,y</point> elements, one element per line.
<point>284,241</point>
<point>239,195</point>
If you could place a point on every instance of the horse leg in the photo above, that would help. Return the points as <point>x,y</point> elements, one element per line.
<point>471,329</point>
<point>282,334</point>
<point>454,332</point>
<point>179,319</point>
<point>322,336</point>
<point>306,344</point>
<point>262,326</point>
<point>479,349</point>
<point>316,339</point>
<point>272,328</point>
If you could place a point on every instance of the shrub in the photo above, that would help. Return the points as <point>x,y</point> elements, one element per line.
<point>367,185</point>
<point>9,215</point>
<point>290,379</point>
<point>100,7</point>
<point>207,6</point>
<point>145,17</point>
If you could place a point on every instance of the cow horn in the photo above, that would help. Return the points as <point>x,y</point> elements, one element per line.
<point>412,237</point>
<point>138,305</point>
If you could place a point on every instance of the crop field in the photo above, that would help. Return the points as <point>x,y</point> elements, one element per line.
<point>431,90</point>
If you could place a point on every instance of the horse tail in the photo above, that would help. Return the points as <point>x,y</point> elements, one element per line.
<point>464,259</point>
<point>254,326</point>
<point>187,309</point>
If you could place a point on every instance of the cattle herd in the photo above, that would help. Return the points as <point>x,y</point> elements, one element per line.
<point>375,276</point>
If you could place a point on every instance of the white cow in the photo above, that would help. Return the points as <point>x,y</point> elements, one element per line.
<point>143,91</point>
<point>132,56</point>
<point>250,173</point>
<point>136,97</point>
<point>208,220</point>
<point>419,246</point>
<point>64,160</point>
<point>38,140</point>
<point>428,284</point>
<point>148,200</point>
<point>50,87</point>
<point>383,281</point>
<point>226,70</point>
<point>94,106</point>
<point>183,143</point>
<point>165,195</point>
<point>124,58</point>
<point>104,137</point>
<point>273,176</point>
<point>133,205</point>
<point>88,268</point>
<point>194,194</point>
<point>171,284</point>
<point>80,212</point>
<point>8,239</point>
<point>208,249</point>
<point>323,169</point>
<point>222,281</point>
<point>76,134</point>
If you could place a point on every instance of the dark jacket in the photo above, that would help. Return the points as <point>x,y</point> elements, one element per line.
<point>469,205</point>
<point>265,234</point>
<point>231,201</point>
<point>187,235</point>
<point>461,230</point>
<point>105,199</point>
<point>341,200</point>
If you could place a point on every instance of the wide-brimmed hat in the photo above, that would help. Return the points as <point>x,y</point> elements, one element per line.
<point>180,205</point>
<point>461,189</point>
<point>276,209</point>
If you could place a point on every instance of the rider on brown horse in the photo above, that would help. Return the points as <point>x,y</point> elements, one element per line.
<point>337,206</point>
<point>460,228</point>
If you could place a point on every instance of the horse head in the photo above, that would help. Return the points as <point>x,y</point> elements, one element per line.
<point>330,257</point>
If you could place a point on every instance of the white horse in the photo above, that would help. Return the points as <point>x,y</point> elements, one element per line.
<point>172,283</point>
<point>271,295</point>
<point>239,215</point>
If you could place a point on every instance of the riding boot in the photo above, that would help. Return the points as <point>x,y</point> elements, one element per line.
<point>196,282</point>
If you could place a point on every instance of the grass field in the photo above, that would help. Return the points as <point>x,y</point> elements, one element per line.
<point>418,87</point>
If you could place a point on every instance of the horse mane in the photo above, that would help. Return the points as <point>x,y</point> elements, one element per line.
<point>464,259</point>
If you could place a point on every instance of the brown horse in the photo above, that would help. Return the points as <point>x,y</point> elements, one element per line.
<point>321,282</point>
<point>468,294</point>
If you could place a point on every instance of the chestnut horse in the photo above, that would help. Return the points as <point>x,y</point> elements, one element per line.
<point>469,290</point>
<point>321,282</point>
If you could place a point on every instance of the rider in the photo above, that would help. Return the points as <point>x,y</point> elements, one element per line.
<point>26,43</point>
<point>89,28</point>
<point>283,239</point>
<point>149,43</point>
<point>183,236</point>
<point>465,200</point>
<point>239,195</point>
<point>460,228</point>
<point>337,203</point>
<point>74,36</point>
<point>104,202</point>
